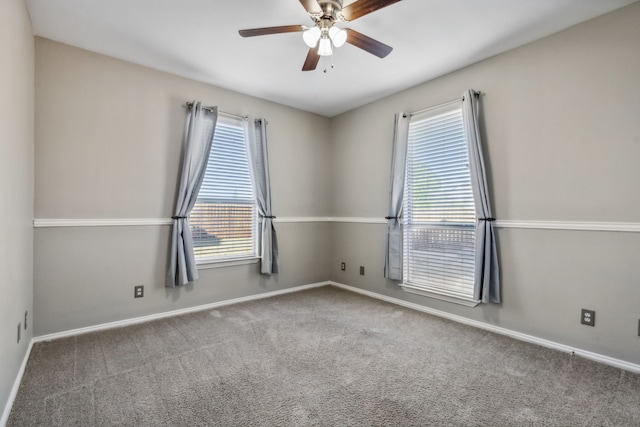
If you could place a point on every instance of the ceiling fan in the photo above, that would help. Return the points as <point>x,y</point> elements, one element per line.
<point>324,35</point>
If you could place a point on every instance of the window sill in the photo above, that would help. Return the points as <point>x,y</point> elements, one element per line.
<point>206,264</point>
<point>469,302</point>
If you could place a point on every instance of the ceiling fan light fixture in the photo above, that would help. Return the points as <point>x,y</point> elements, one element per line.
<point>338,36</point>
<point>325,47</point>
<point>325,35</point>
<point>311,36</point>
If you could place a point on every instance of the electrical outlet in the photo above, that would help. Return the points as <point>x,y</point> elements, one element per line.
<point>639,327</point>
<point>343,266</point>
<point>19,330</point>
<point>26,316</point>
<point>361,270</point>
<point>588,317</point>
<point>138,291</point>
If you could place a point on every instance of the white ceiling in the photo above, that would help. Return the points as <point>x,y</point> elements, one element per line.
<point>199,39</point>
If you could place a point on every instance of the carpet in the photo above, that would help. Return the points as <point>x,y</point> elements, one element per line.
<point>322,357</point>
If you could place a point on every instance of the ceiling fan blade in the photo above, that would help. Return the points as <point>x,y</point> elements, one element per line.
<point>271,30</point>
<point>311,6</point>
<point>312,60</point>
<point>372,46</point>
<point>363,7</point>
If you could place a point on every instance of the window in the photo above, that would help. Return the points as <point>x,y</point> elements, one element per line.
<point>439,216</point>
<point>224,218</point>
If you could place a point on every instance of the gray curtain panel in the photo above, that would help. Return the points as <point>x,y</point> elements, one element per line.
<point>393,252</point>
<point>198,136</point>
<point>259,160</point>
<point>487,279</point>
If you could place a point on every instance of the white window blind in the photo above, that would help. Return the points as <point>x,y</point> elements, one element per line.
<point>223,220</point>
<point>439,216</point>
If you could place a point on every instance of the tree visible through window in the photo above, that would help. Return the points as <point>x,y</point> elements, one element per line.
<point>223,220</point>
<point>439,219</point>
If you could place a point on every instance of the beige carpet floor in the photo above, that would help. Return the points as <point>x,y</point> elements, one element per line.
<point>322,357</point>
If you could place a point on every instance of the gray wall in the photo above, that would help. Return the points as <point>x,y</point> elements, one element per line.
<point>562,133</point>
<point>16,188</point>
<point>108,140</point>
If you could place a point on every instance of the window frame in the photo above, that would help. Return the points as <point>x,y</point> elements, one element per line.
<point>232,260</point>
<point>421,286</point>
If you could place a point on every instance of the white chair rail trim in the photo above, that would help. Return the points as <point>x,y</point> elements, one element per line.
<point>625,227</point>
<point>628,227</point>
<point>99,222</point>
<point>126,222</point>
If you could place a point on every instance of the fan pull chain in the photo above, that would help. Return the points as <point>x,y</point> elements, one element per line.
<point>325,60</point>
<point>325,70</point>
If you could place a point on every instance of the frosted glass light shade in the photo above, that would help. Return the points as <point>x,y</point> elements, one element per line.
<point>338,36</point>
<point>325,47</point>
<point>311,36</point>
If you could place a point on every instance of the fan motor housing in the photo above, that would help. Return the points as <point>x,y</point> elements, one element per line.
<point>330,8</point>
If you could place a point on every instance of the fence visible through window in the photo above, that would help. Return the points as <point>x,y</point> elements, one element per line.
<point>221,229</point>
<point>441,256</point>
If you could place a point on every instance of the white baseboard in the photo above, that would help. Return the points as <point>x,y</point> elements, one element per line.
<point>632,367</point>
<point>16,386</point>
<point>142,319</point>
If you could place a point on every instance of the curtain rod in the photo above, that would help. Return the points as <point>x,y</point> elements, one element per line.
<point>222,113</point>
<point>424,110</point>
